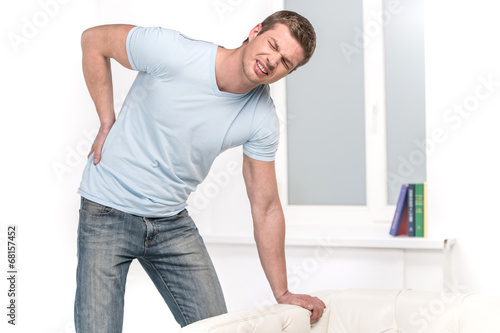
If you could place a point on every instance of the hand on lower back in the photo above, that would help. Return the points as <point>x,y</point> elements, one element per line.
<point>98,144</point>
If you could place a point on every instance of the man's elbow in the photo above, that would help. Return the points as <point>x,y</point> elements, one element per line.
<point>87,36</point>
<point>96,38</point>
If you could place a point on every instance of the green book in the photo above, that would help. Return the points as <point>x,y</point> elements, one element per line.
<point>419,210</point>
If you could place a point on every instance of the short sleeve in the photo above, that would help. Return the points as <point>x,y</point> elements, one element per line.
<point>149,49</point>
<point>263,143</point>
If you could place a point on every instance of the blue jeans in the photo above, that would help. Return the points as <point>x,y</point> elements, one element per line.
<point>171,251</point>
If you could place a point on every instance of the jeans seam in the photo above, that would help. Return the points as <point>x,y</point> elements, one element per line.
<point>145,238</point>
<point>168,289</point>
<point>87,212</point>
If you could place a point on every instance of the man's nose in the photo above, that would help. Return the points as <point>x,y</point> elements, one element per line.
<point>273,59</point>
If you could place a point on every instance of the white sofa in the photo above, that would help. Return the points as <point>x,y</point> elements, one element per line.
<point>367,311</point>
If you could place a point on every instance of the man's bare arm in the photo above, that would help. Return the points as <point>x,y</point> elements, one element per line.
<point>99,45</point>
<point>269,233</point>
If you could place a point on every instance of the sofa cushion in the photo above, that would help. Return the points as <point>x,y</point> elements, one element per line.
<point>422,311</point>
<point>357,310</point>
<point>408,311</point>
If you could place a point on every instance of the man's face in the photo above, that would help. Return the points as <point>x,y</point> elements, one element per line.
<point>271,55</point>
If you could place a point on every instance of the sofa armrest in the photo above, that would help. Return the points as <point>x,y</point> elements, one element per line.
<point>266,319</point>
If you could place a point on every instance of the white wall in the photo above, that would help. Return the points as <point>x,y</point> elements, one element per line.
<point>47,116</point>
<point>463,166</point>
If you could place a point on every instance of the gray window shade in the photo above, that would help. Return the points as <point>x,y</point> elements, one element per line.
<point>325,103</point>
<point>405,96</point>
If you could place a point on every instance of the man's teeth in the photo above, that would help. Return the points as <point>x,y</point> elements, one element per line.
<point>261,68</point>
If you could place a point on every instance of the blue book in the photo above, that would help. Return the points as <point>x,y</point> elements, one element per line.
<point>411,210</point>
<point>396,221</point>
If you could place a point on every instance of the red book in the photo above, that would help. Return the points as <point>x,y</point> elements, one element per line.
<point>403,227</point>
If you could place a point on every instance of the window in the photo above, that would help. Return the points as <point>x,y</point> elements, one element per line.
<point>355,115</point>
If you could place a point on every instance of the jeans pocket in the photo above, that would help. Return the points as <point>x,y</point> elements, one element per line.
<point>89,207</point>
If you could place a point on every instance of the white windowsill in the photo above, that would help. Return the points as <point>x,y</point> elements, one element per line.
<point>373,238</point>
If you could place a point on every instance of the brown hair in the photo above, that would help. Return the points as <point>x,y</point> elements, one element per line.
<point>300,27</point>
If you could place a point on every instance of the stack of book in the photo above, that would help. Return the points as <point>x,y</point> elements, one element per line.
<point>410,218</point>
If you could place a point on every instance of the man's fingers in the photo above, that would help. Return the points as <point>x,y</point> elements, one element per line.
<point>316,314</point>
<point>319,308</point>
<point>97,158</point>
<point>97,155</point>
<point>313,304</point>
<point>98,144</point>
<point>97,149</point>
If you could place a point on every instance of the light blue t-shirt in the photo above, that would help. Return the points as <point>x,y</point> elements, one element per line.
<point>173,124</point>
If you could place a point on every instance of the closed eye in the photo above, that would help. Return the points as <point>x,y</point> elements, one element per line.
<point>273,46</point>
<point>285,62</point>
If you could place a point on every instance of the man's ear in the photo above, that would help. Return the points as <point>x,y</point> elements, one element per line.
<point>255,31</point>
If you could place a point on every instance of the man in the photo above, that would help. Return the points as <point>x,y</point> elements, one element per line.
<point>191,100</point>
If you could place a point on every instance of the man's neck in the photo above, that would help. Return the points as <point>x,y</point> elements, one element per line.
<point>229,73</point>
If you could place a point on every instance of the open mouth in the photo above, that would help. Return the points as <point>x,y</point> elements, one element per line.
<point>262,69</point>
